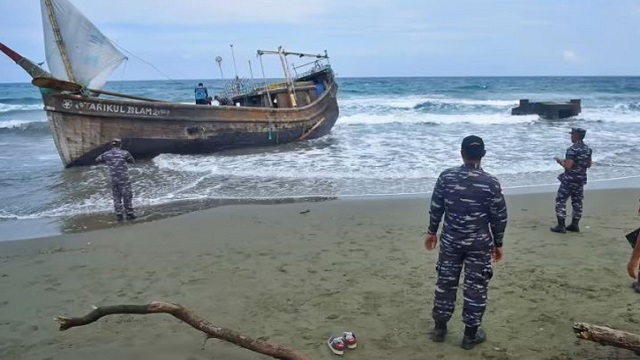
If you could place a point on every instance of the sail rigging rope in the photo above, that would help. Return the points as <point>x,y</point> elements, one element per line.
<point>141,59</point>
<point>124,70</point>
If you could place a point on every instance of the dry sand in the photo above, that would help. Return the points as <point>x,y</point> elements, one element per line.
<point>360,265</point>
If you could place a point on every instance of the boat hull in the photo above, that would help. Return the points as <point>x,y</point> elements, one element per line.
<point>82,127</point>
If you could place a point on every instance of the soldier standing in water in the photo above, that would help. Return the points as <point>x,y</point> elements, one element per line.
<point>116,159</point>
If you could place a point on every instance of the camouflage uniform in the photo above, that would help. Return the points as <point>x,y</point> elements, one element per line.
<point>475,218</point>
<point>572,181</point>
<point>116,159</point>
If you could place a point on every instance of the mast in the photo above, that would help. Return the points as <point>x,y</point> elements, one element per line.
<point>283,59</point>
<point>59,42</point>
<point>287,77</point>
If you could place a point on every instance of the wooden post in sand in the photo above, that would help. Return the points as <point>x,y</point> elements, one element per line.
<point>607,336</point>
<point>189,317</point>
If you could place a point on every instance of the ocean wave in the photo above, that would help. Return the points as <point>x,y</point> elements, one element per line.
<point>608,115</point>
<point>24,127</point>
<point>411,102</point>
<point>424,104</point>
<point>633,106</point>
<point>21,101</point>
<point>5,108</point>
<point>473,87</point>
<point>94,204</point>
<point>438,119</point>
<point>464,106</point>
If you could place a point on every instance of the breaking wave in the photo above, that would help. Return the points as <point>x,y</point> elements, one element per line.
<point>24,127</point>
<point>5,108</point>
<point>22,101</point>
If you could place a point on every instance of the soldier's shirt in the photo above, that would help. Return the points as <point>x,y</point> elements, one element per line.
<point>116,160</point>
<point>580,153</point>
<point>472,203</point>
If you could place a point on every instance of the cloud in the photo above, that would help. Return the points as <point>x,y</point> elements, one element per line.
<point>570,56</point>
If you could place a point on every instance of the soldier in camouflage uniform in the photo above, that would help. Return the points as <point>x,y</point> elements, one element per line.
<point>116,159</point>
<point>475,218</point>
<point>572,181</point>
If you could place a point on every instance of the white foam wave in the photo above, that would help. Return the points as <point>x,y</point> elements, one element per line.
<point>609,115</point>
<point>183,163</point>
<point>10,124</point>
<point>422,118</point>
<point>15,107</point>
<point>410,102</point>
<point>633,106</point>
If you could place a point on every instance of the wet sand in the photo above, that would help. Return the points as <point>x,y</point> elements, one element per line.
<point>297,277</point>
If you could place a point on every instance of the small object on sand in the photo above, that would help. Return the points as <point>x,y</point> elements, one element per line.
<point>336,345</point>
<point>304,212</point>
<point>350,339</point>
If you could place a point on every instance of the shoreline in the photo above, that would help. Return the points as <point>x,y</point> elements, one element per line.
<point>297,277</point>
<point>35,228</point>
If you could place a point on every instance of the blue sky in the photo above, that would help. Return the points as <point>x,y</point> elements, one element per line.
<point>363,37</point>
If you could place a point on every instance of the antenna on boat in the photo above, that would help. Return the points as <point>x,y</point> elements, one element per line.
<point>233,55</point>
<point>219,61</point>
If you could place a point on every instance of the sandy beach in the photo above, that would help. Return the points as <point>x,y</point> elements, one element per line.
<point>296,273</point>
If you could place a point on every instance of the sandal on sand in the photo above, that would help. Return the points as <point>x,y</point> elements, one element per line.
<point>336,345</point>
<point>350,339</point>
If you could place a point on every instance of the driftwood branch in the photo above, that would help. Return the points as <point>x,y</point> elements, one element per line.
<point>187,316</point>
<point>607,336</point>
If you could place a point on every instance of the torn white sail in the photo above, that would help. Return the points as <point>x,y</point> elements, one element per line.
<point>91,56</point>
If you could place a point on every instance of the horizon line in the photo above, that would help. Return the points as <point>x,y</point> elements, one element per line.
<point>378,77</point>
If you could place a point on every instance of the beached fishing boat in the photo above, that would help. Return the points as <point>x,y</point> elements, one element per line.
<point>83,118</point>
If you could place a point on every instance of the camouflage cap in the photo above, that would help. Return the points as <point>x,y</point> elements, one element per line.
<point>473,146</point>
<point>116,142</point>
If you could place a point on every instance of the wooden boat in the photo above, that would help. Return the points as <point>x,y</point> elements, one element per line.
<point>83,118</point>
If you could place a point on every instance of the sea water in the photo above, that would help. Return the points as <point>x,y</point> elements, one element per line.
<point>393,136</point>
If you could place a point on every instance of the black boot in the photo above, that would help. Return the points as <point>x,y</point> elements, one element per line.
<point>573,227</point>
<point>119,217</point>
<point>439,331</point>
<point>472,337</point>
<point>130,216</point>
<point>561,227</point>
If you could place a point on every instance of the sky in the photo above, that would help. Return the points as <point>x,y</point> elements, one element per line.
<point>364,38</point>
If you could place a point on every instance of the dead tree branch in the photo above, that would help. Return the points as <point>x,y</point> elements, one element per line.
<point>607,336</point>
<point>189,317</point>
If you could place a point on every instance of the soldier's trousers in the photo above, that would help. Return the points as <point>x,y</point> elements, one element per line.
<point>122,196</point>
<point>477,273</point>
<point>567,190</point>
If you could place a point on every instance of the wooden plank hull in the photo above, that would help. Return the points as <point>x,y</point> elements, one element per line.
<point>82,127</point>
